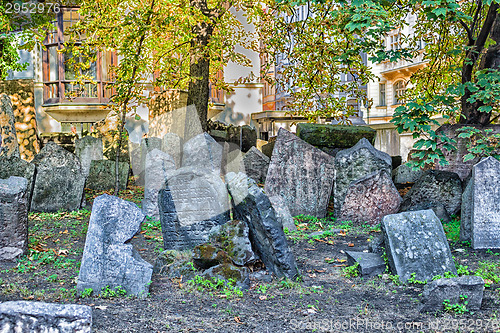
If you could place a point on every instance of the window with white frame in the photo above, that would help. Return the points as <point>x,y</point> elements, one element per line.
<point>399,88</point>
<point>381,94</point>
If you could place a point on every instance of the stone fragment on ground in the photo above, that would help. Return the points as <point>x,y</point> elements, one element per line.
<point>301,174</point>
<point>102,175</point>
<point>435,186</point>
<point>480,221</point>
<point>415,243</point>
<point>229,272</point>
<point>370,264</point>
<point>405,174</point>
<point>202,151</point>
<point>25,316</point>
<point>175,264</point>
<point>283,213</point>
<point>266,233</point>
<point>108,260</point>
<point>355,163</point>
<point>15,166</point>
<point>88,149</point>
<point>13,218</point>
<point>255,165</point>
<point>194,201</point>
<point>370,198</point>
<point>59,181</point>
<point>453,290</point>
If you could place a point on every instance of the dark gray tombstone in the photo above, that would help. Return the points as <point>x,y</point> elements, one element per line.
<point>102,175</point>
<point>301,174</point>
<point>266,233</point>
<point>255,164</point>
<point>15,166</point>
<point>59,180</point>
<point>88,149</point>
<point>193,202</point>
<point>108,259</point>
<point>370,198</point>
<point>481,206</point>
<point>204,152</point>
<point>13,218</point>
<point>158,166</point>
<point>172,145</point>
<point>355,163</point>
<point>415,243</point>
<point>25,316</point>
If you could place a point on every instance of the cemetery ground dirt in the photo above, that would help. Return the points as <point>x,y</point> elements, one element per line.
<point>324,301</point>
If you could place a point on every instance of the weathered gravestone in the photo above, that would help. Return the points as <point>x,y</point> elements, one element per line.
<point>370,198</point>
<point>266,233</point>
<point>8,138</point>
<point>138,156</point>
<point>59,180</point>
<point>194,201</point>
<point>158,166</point>
<point>435,186</point>
<point>24,316</point>
<point>172,145</point>
<point>204,152</point>
<point>301,174</point>
<point>15,166</point>
<point>255,165</point>
<point>355,163</point>
<point>415,243</point>
<point>480,221</point>
<point>88,149</point>
<point>107,258</point>
<point>13,218</point>
<point>404,174</point>
<point>102,175</point>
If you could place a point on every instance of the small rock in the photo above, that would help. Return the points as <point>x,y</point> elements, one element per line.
<point>228,271</point>
<point>370,264</point>
<point>206,256</point>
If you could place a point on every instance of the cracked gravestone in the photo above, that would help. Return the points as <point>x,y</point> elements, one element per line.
<point>355,163</point>
<point>108,259</point>
<point>88,149</point>
<point>13,218</point>
<point>194,201</point>
<point>370,198</point>
<point>480,221</point>
<point>102,175</point>
<point>415,243</point>
<point>436,292</point>
<point>15,166</point>
<point>301,174</point>
<point>8,137</point>
<point>255,164</point>
<point>266,233</point>
<point>202,151</point>
<point>59,180</point>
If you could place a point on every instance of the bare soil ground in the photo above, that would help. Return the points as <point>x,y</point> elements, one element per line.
<point>326,299</point>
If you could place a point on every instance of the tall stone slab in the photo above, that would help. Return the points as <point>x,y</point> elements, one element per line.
<point>255,165</point>
<point>355,163</point>
<point>59,180</point>
<point>158,166</point>
<point>301,174</point>
<point>435,186</point>
<point>102,175</point>
<point>204,152</point>
<point>194,201</point>
<point>108,260</point>
<point>415,242</point>
<point>13,218</point>
<point>266,233</point>
<point>171,144</point>
<point>481,206</point>
<point>15,166</point>
<point>370,198</point>
<point>88,149</point>
<point>138,156</point>
<point>8,138</point>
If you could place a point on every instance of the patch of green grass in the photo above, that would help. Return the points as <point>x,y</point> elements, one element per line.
<point>351,271</point>
<point>452,230</point>
<point>108,292</point>
<point>458,308</point>
<point>489,271</point>
<point>219,287</point>
<point>413,280</point>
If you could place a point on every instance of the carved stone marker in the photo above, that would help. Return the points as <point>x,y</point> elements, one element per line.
<point>8,138</point>
<point>255,164</point>
<point>107,259</point>
<point>59,180</point>
<point>204,152</point>
<point>88,149</point>
<point>24,316</point>
<point>13,218</point>
<point>370,198</point>
<point>355,163</point>
<point>15,166</point>
<point>301,174</point>
<point>266,233</point>
<point>172,145</point>
<point>481,206</point>
<point>193,202</point>
<point>415,243</point>
<point>102,175</point>
<point>158,166</point>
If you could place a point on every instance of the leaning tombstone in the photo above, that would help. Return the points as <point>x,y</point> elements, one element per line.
<point>355,163</point>
<point>8,137</point>
<point>108,259</point>
<point>59,180</point>
<point>194,201</point>
<point>416,245</point>
<point>480,221</point>
<point>255,164</point>
<point>102,175</point>
<point>13,218</point>
<point>172,145</point>
<point>202,151</point>
<point>88,149</point>
<point>301,174</point>
<point>158,166</point>
<point>266,234</point>
<point>15,166</point>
